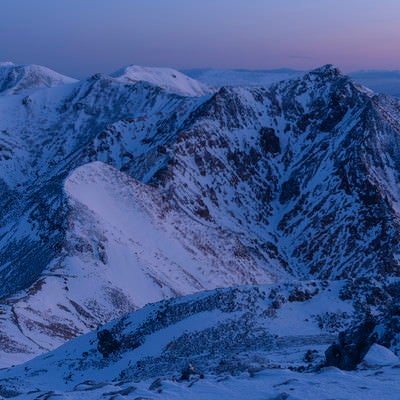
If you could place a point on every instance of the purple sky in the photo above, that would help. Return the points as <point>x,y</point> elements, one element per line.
<point>80,37</point>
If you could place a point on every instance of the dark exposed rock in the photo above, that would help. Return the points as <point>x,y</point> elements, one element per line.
<point>352,346</point>
<point>187,372</point>
<point>299,294</point>
<point>156,385</point>
<point>107,343</point>
<point>290,189</point>
<point>310,356</point>
<point>269,141</point>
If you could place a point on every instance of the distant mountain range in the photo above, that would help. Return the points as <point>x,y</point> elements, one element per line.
<point>380,81</point>
<point>281,198</point>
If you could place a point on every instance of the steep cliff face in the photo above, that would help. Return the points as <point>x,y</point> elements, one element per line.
<point>306,170</point>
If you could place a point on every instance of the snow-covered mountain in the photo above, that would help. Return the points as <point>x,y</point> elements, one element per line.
<point>380,81</point>
<point>16,78</point>
<point>305,170</point>
<point>123,190</point>
<point>130,248</point>
<point>166,78</point>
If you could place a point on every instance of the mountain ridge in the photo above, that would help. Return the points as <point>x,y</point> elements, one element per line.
<point>380,81</point>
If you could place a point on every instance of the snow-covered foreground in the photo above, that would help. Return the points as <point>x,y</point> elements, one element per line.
<point>213,344</point>
<point>328,384</point>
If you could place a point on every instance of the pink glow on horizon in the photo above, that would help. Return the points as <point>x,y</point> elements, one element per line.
<point>78,38</point>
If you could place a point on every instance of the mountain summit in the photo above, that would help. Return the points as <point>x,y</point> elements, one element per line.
<point>15,79</point>
<point>167,78</point>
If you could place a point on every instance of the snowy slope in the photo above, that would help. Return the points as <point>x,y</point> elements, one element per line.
<point>46,137</point>
<point>266,342</point>
<point>167,78</point>
<point>263,341</point>
<point>43,140</point>
<point>222,333</point>
<point>128,246</point>
<point>25,78</point>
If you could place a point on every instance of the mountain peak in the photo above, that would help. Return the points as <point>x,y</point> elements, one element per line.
<point>17,78</point>
<point>167,78</point>
<point>329,71</point>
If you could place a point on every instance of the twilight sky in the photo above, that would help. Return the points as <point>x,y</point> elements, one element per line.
<point>80,37</point>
